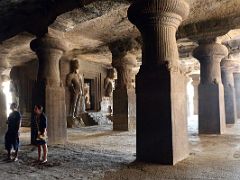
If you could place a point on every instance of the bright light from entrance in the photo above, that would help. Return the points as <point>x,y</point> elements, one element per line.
<point>190,94</point>
<point>8,95</point>
<point>192,119</point>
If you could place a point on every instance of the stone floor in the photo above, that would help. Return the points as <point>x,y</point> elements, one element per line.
<point>99,153</point>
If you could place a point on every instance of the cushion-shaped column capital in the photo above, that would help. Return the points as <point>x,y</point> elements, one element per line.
<point>129,60</point>
<point>49,51</point>
<point>236,68</point>
<point>47,42</point>
<point>122,47</point>
<point>169,12</point>
<point>124,68</point>
<point>209,54</point>
<point>228,64</point>
<point>123,54</point>
<point>205,51</point>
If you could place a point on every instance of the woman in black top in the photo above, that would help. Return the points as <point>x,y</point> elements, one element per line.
<point>41,130</point>
<point>12,134</point>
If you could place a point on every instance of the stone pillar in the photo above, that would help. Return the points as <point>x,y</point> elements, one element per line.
<point>49,90</point>
<point>3,112</point>
<point>227,67</point>
<point>236,76</point>
<point>195,83</point>
<point>189,98</point>
<point>160,84</point>
<point>211,92</point>
<point>124,97</point>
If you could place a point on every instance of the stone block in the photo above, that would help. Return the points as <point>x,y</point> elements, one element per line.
<point>161,116</point>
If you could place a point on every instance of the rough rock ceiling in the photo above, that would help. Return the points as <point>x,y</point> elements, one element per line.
<point>89,28</point>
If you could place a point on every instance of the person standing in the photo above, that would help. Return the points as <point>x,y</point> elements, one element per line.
<point>41,129</point>
<point>12,134</point>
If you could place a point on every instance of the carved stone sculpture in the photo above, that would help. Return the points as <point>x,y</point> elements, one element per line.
<point>109,82</point>
<point>75,83</point>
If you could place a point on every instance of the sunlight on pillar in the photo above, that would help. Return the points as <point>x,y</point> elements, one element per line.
<point>190,94</point>
<point>192,119</point>
<point>8,94</point>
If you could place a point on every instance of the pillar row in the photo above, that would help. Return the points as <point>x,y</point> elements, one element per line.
<point>160,84</point>
<point>49,91</point>
<point>227,67</point>
<point>211,92</point>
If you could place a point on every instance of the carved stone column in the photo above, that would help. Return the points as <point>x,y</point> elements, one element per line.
<point>227,66</point>
<point>3,110</point>
<point>49,91</point>
<point>211,92</point>
<point>236,76</point>
<point>195,83</point>
<point>160,85</point>
<point>124,97</point>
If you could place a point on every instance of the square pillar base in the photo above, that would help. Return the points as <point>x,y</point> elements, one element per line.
<point>124,109</point>
<point>53,100</point>
<point>211,109</point>
<point>161,116</point>
<point>230,104</point>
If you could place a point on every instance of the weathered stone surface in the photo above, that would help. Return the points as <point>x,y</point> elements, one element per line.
<point>211,92</point>
<point>91,27</point>
<point>97,24</point>
<point>236,76</point>
<point>49,51</point>
<point>160,86</point>
<point>195,83</point>
<point>124,109</point>
<point>227,66</point>
<point>55,109</point>
<point>49,91</point>
<point>161,132</point>
<point>124,98</point>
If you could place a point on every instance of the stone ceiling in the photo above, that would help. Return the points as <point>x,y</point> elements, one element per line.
<point>88,26</point>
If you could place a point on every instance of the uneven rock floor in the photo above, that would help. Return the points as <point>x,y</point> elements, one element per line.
<point>99,153</point>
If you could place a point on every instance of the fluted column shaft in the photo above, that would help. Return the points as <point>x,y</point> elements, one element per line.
<point>48,89</point>
<point>211,92</point>
<point>236,76</point>
<point>160,85</point>
<point>227,66</point>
